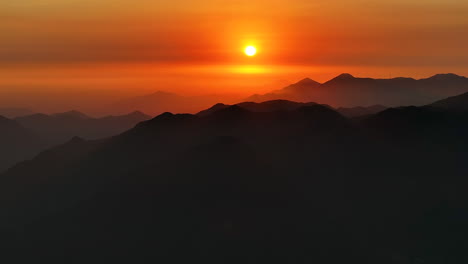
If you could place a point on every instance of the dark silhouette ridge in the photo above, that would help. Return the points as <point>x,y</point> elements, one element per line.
<point>457,103</point>
<point>268,106</point>
<point>295,184</point>
<point>285,105</point>
<point>447,77</point>
<point>348,91</point>
<point>166,119</point>
<point>360,110</point>
<point>342,77</point>
<point>212,109</point>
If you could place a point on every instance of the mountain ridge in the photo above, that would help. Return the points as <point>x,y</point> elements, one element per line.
<point>346,90</point>
<point>242,183</point>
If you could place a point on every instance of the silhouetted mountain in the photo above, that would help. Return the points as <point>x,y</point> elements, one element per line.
<point>285,105</point>
<point>360,110</point>
<point>447,77</point>
<point>261,185</point>
<point>293,92</point>
<point>455,103</point>
<point>16,143</point>
<point>349,91</point>
<point>11,112</point>
<point>60,127</point>
<point>268,106</point>
<point>344,77</point>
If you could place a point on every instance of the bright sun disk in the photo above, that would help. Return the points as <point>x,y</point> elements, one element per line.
<point>250,51</point>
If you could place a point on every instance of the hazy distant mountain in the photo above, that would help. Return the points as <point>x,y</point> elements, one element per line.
<point>71,115</point>
<point>26,136</point>
<point>348,91</point>
<point>11,112</point>
<point>293,92</point>
<point>159,102</point>
<point>232,185</point>
<point>61,127</point>
<point>16,143</point>
<point>454,103</point>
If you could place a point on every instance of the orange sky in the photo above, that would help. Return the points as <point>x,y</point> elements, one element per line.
<point>81,52</point>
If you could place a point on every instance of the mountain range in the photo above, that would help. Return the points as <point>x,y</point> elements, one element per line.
<point>275,182</point>
<point>60,127</point>
<point>346,90</point>
<point>24,137</point>
<point>285,105</point>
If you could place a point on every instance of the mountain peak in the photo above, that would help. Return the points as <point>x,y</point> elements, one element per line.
<point>344,76</point>
<point>165,115</point>
<point>218,105</point>
<point>138,114</point>
<point>446,77</point>
<point>307,81</point>
<point>212,109</point>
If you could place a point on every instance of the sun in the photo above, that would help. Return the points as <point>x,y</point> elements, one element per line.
<point>250,51</point>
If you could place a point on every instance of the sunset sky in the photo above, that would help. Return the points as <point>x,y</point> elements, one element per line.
<point>80,51</point>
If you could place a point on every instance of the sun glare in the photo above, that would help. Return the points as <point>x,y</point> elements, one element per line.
<point>250,51</point>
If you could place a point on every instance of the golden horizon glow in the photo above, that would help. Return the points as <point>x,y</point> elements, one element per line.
<point>57,53</point>
<point>250,51</point>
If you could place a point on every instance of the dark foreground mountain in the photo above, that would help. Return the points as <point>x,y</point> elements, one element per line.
<point>349,91</point>
<point>360,111</point>
<point>457,103</point>
<point>285,105</point>
<point>61,127</point>
<point>232,185</point>
<point>268,106</point>
<point>16,143</point>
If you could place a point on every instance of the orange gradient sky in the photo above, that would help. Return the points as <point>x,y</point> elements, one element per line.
<point>81,52</point>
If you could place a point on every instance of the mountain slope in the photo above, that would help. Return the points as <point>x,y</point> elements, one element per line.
<point>360,110</point>
<point>454,103</point>
<point>17,143</point>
